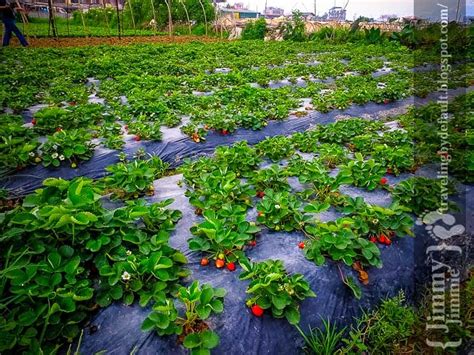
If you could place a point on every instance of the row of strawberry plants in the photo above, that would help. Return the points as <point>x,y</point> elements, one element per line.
<point>222,189</point>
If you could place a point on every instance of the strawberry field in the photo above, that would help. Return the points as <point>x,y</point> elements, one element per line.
<point>228,197</point>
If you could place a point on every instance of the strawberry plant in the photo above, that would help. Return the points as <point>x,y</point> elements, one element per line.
<point>332,154</point>
<point>213,190</point>
<point>223,233</point>
<point>343,131</point>
<point>275,148</point>
<point>112,134</point>
<point>240,158</point>
<point>373,220</point>
<point>306,142</point>
<point>364,173</point>
<point>145,131</point>
<point>274,178</point>
<point>199,302</point>
<point>281,211</point>
<point>272,288</point>
<point>420,194</point>
<point>134,179</point>
<point>395,159</point>
<point>63,255</point>
<point>364,143</point>
<point>50,119</point>
<point>340,242</point>
<point>18,146</point>
<point>325,187</point>
<point>71,146</point>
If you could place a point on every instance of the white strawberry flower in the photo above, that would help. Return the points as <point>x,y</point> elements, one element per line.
<point>277,207</point>
<point>32,154</point>
<point>129,252</point>
<point>61,157</point>
<point>126,276</point>
<point>55,147</point>
<point>54,155</point>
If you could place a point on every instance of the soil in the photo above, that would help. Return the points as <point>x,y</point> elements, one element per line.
<point>198,327</point>
<point>115,41</point>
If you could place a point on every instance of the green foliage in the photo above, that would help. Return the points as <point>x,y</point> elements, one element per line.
<point>200,301</point>
<point>281,211</point>
<point>322,341</point>
<point>255,29</point>
<point>72,146</point>
<point>134,179</point>
<point>275,148</point>
<point>421,194</point>
<point>373,220</point>
<point>224,232</point>
<point>340,242</point>
<point>364,173</point>
<point>18,144</point>
<point>62,253</point>
<point>274,289</point>
<point>396,160</point>
<point>50,119</point>
<point>295,30</point>
<point>383,329</point>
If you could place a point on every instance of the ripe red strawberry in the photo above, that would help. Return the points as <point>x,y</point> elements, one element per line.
<point>59,129</point>
<point>230,266</point>
<point>386,101</point>
<point>384,181</point>
<point>204,261</point>
<point>73,103</point>
<point>257,310</point>
<point>220,263</point>
<point>389,171</point>
<point>260,194</point>
<point>382,239</point>
<point>388,241</point>
<point>373,239</point>
<point>301,245</point>
<point>260,213</point>
<point>253,243</point>
<point>225,132</point>
<point>137,138</point>
<point>33,121</point>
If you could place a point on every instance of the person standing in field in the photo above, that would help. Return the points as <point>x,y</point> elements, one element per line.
<point>7,15</point>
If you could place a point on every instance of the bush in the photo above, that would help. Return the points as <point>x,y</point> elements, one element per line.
<point>295,30</point>
<point>255,29</point>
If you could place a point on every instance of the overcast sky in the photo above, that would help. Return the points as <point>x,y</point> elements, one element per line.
<point>355,8</point>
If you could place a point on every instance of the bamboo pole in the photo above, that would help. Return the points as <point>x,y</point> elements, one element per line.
<point>154,16</point>
<point>118,18</point>
<point>131,14</point>
<point>204,12</point>
<point>82,18</point>
<point>170,18</point>
<point>187,15</point>
<point>106,18</point>
<point>51,22</point>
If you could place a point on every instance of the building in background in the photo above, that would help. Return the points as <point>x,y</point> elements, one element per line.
<point>238,12</point>
<point>273,12</point>
<point>337,13</point>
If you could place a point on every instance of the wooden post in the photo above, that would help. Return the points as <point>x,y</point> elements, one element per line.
<point>131,14</point>
<point>154,16</point>
<point>204,12</point>
<point>187,15</point>
<point>106,18</point>
<point>170,18</point>
<point>118,19</point>
<point>52,23</point>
